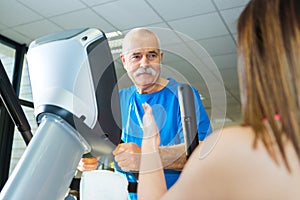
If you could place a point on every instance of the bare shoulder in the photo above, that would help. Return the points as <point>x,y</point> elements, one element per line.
<point>237,131</point>
<point>229,144</point>
<point>212,164</point>
<point>227,141</point>
<point>227,166</point>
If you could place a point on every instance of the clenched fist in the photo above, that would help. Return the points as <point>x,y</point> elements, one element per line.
<point>128,156</point>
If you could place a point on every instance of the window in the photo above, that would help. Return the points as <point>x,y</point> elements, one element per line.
<point>25,94</point>
<point>8,56</point>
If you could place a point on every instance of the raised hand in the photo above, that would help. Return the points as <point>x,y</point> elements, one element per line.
<point>150,127</point>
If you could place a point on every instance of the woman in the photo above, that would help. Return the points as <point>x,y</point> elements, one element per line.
<point>261,158</point>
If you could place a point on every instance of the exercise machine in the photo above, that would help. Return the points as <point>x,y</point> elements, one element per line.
<point>76,104</point>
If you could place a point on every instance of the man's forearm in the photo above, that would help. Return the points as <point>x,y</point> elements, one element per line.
<point>173,157</point>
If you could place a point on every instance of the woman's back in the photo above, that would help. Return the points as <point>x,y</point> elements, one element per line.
<point>235,170</point>
<point>268,66</point>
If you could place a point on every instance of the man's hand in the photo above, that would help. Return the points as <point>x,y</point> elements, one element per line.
<point>128,156</point>
<point>87,164</point>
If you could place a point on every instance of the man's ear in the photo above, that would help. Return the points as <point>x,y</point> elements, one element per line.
<point>122,58</point>
<point>161,54</point>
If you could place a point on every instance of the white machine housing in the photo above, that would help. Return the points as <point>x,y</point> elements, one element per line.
<point>73,76</point>
<point>76,104</point>
<point>66,81</point>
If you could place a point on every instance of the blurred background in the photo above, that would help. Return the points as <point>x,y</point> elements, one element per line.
<point>188,30</point>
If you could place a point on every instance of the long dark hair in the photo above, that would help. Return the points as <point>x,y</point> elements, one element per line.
<point>269,71</point>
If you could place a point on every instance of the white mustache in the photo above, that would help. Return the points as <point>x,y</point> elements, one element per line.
<point>147,70</point>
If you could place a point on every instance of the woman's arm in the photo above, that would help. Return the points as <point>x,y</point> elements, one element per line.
<point>152,184</point>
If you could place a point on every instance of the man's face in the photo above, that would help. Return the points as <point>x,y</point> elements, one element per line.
<point>142,61</point>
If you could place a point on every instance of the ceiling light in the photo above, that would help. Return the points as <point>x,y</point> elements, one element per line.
<point>113,34</point>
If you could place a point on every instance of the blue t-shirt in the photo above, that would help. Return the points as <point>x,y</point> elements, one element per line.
<point>166,112</point>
